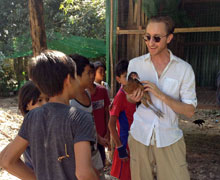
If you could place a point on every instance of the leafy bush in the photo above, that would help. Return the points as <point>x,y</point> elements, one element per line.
<point>8,84</point>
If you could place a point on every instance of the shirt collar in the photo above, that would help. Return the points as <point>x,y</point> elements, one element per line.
<point>172,57</point>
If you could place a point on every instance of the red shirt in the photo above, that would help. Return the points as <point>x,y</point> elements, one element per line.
<point>124,110</point>
<point>120,104</point>
<point>100,100</point>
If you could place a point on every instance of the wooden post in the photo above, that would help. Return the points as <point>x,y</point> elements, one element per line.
<point>130,23</point>
<point>108,18</point>
<point>111,48</point>
<point>37,26</point>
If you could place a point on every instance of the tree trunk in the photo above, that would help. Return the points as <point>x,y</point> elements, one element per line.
<point>37,26</point>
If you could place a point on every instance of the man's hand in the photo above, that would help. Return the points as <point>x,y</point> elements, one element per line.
<point>151,87</point>
<point>135,96</point>
<point>177,106</point>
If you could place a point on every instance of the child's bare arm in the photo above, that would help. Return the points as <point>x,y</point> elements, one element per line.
<point>11,162</point>
<point>113,130</point>
<point>103,141</point>
<point>123,155</point>
<point>107,136</point>
<point>84,170</point>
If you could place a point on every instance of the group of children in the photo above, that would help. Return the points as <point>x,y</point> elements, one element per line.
<point>68,121</point>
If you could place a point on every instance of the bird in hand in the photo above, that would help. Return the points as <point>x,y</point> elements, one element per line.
<point>133,84</point>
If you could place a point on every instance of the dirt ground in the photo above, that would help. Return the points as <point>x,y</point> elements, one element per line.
<point>202,142</point>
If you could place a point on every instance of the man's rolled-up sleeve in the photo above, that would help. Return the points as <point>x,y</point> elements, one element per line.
<point>188,88</point>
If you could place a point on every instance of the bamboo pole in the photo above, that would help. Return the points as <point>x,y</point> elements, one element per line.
<point>111,47</point>
<point>108,78</point>
<point>115,44</point>
<point>130,23</point>
<point>197,29</point>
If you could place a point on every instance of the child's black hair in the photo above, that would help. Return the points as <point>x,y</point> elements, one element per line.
<point>49,70</point>
<point>121,67</point>
<point>28,92</point>
<point>98,64</point>
<point>92,66</point>
<point>81,63</point>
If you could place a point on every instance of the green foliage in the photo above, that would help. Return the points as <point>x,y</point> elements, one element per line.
<point>85,17</point>
<point>2,57</point>
<point>81,18</point>
<point>67,17</point>
<point>14,22</point>
<point>8,83</point>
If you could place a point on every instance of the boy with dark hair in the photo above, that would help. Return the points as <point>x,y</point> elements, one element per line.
<point>121,115</point>
<point>59,136</point>
<point>100,104</point>
<point>100,75</point>
<point>83,100</point>
<point>84,74</point>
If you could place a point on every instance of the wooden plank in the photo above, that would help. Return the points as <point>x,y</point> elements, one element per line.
<point>108,19</point>
<point>139,5</point>
<point>177,30</point>
<point>135,13</point>
<point>204,43</point>
<point>119,31</point>
<point>130,23</point>
<point>130,13</point>
<point>200,1</point>
<point>197,29</point>
<point>142,18</point>
<point>115,42</point>
<point>111,45</point>
<point>138,22</point>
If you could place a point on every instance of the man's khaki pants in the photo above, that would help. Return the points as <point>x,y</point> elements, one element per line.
<point>170,161</point>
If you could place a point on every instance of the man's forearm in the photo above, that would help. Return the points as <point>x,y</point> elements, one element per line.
<point>179,107</point>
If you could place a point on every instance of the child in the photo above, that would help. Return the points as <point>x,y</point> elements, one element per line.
<point>100,104</point>
<point>59,136</point>
<point>29,97</point>
<point>83,100</point>
<point>121,114</point>
<point>84,75</point>
<point>100,75</point>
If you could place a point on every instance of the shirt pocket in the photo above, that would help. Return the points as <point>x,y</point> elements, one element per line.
<point>171,87</point>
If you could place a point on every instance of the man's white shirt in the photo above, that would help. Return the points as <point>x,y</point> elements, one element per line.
<point>178,82</point>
